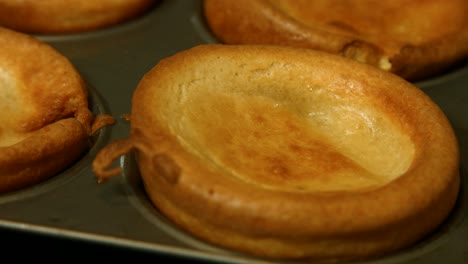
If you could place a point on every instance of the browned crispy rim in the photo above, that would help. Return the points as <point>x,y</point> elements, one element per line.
<point>258,22</point>
<point>43,154</point>
<point>48,151</point>
<point>431,59</point>
<point>263,24</point>
<point>58,17</point>
<point>316,226</point>
<point>198,196</point>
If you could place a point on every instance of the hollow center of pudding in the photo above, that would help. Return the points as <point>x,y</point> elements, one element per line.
<point>293,139</point>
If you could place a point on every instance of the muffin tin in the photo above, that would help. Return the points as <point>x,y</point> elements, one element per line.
<point>117,213</point>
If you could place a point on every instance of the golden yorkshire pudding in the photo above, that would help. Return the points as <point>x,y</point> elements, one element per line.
<point>71,16</point>
<point>289,153</point>
<point>413,39</point>
<point>45,123</point>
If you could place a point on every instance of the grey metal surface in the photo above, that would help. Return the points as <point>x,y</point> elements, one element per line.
<point>112,61</point>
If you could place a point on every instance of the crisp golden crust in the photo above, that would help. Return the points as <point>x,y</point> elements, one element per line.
<point>72,16</point>
<point>290,153</point>
<point>416,39</point>
<point>45,123</point>
<point>44,154</point>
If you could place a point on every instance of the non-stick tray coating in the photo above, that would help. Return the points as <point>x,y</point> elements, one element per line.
<point>117,214</point>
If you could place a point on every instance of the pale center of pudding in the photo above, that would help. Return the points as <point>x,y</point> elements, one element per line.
<point>9,110</point>
<point>312,141</point>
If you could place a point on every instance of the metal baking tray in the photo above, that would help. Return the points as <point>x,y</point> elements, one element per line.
<point>73,206</point>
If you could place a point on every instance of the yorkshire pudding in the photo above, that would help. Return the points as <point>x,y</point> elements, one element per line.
<point>412,39</point>
<point>45,123</point>
<point>290,153</point>
<point>71,16</point>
